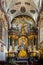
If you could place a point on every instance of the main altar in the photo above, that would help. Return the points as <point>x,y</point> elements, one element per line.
<point>22,40</point>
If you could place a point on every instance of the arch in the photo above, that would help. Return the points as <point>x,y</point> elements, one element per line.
<point>22,15</point>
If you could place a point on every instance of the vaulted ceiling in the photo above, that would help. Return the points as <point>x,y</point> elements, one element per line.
<point>14,8</point>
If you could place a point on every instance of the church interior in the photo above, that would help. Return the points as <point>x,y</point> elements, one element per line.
<point>21,32</point>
